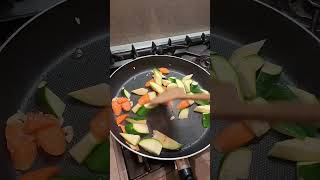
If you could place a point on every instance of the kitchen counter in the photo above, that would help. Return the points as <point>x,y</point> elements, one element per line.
<point>136,21</point>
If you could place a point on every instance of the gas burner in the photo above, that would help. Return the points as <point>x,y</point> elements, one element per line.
<point>204,61</point>
<point>306,12</point>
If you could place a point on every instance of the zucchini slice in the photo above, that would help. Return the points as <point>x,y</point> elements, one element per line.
<point>236,165</point>
<point>268,76</point>
<point>187,84</point>
<point>202,109</point>
<point>296,130</point>
<point>156,87</point>
<point>225,72</point>
<point>157,76</point>
<point>195,88</point>
<point>180,85</point>
<point>54,104</point>
<point>137,129</point>
<point>206,120</point>
<point>151,145</point>
<point>83,148</point>
<point>126,93</point>
<point>304,96</point>
<point>136,120</point>
<point>140,91</point>
<point>136,108</point>
<point>308,170</point>
<point>297,149</point>
<point>167,142</point>
<point>131,138</point>
<point>187,77</point>
<point>172,85</point>
<point>259,127</point>
<point>143,111</point>
<point>246,50</point>
<point>172,79</point>
<point>184,113</point>
<point>247,69</point>
<point>165,82</point>
<point>97,95</point>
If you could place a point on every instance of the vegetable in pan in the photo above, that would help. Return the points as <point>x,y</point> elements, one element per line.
<point>135,128</point>
<point>258,81</point>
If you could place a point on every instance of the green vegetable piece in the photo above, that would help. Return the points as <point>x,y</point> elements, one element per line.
<point>143,111</point>
<point>137,129</point>
<point>308,170</point>
<point>172,79</point>
<point>295,130</point>
<point>206,120</point>
<point>98,161</point>
<point>194,88</point>
<point>279,92</point>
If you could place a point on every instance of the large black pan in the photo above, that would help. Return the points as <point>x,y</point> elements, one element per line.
<point>289,44</point>
<point>65,45</point>
<point>189,132</point>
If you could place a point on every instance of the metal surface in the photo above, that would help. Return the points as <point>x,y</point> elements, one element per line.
<point>189,132</point>
<point>289,44</point>
<point>44,49</point>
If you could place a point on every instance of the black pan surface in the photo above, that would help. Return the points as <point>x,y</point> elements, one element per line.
<point>68,54</point>
<point>189,131</point>
<point>288,44</point>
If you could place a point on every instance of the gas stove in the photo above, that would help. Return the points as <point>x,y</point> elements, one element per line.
<point>194,47</point>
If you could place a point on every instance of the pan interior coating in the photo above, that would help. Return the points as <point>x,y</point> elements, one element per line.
<point>188,132</point>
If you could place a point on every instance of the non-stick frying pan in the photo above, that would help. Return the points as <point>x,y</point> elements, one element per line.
<point>65,45</point>
<point>189,131</point>
<point>289,44</point>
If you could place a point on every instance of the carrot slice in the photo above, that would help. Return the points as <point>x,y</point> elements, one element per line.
<point>121,100</point>
<point>126,106</point>
<point>122,127</point>
<point>41,174</point>
<point>164,70</point>
<point>116,107</point>
<point>38,121</point>
<point>121,118</point>
<point>22,148</point>
<point>144,99</point>
<point>183,104</point>
<point>52,140</point>
<point>148,83</point>
<point>233,137</point>
<point>99,125</point>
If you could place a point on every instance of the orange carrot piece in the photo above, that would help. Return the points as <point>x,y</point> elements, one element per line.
<point>121,100</point>
<point>52,140</point>
<point>233,137</point>
<point>164,70</point>
<point>116,107</point>
<point>122,127</point>
<point>148,82</point>
<point>39,121</point>
<point>22,148</point>
<point>126,106</point>
<point>121,118</point>
<point>183,104</point>
<point>144,99</point>
<point>41,174</point>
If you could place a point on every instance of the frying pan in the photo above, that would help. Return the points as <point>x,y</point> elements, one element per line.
<point>289,44</point>
<point>189,132</point>
<point>65,45</point>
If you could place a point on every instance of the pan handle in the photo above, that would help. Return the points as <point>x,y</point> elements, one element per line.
<point>184,169</point>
